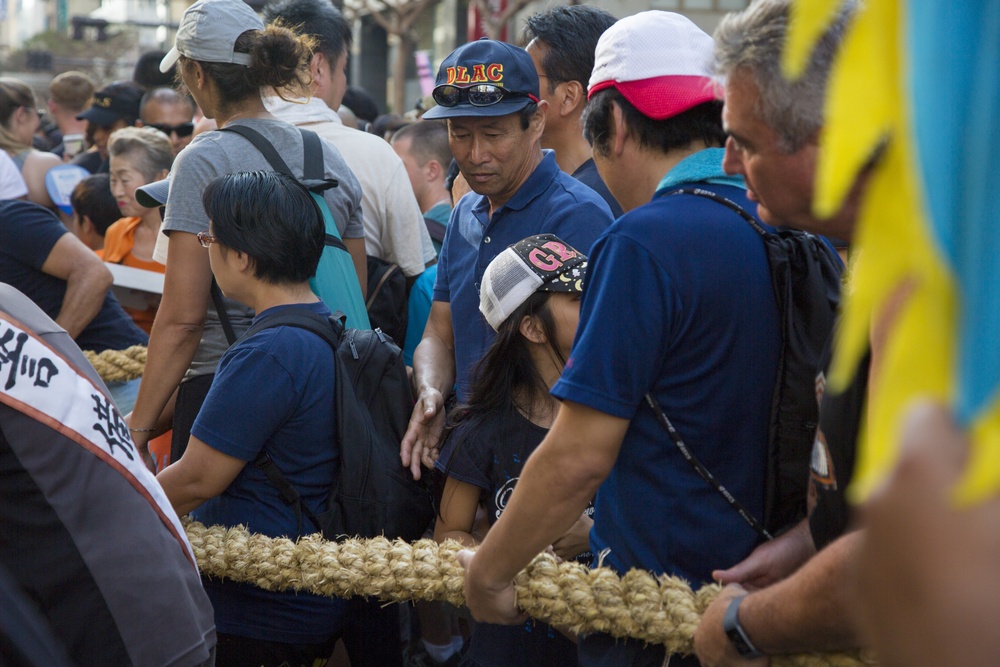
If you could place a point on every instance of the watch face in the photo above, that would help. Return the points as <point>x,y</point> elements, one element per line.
<point>737,640</point>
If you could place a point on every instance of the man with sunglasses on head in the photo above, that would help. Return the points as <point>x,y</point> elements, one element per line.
<point>169,112</point>
<point>488,92</point>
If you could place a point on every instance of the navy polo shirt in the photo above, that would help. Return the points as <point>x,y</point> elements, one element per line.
<point>549,201</point>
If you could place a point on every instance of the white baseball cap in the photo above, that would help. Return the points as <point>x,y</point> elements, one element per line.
<point>659,61</point>
<point>540,263</point>
<point>208,32</point>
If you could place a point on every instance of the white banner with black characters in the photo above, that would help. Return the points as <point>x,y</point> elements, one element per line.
<point>37,381</point>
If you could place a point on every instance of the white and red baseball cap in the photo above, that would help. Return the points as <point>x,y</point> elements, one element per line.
<point>659,61</point>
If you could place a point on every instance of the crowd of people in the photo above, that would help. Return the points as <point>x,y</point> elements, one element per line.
<point>567,230</point>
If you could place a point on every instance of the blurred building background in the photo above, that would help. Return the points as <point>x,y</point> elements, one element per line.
<point>42,38</point>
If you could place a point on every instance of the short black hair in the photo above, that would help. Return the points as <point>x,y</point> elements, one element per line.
<point>361,103</point>
<point>571,34</point>
<point>703,122</point>
<point>92,198</point>
<point>147,71</point>
<point>272,219</point>
<point>316,18</point>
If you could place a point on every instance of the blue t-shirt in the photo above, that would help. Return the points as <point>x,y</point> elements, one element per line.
<point>273,391</point>
<point>549,201</point>
<point>418,310</point>
<point>28,232</point>
<point>587,174</point>
<point>678,302</point>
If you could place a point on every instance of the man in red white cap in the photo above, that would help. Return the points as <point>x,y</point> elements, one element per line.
<point>679,308</point>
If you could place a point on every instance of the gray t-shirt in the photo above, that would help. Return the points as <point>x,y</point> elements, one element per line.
<point>215,154</point>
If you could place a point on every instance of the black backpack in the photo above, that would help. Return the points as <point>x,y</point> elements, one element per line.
<point>805,274</point>
<point>386,302</point>
<point>374,494</point>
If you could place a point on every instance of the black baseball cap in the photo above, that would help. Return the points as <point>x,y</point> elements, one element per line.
<point>116,100</point>
<point>490,64</point>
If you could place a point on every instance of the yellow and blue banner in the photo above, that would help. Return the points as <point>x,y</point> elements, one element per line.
<point>913,108</point>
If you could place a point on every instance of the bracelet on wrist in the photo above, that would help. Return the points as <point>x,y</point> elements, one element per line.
<point>734,631</point>
<point>141,430</point>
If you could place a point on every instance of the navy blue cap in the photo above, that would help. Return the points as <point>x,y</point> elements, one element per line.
<point>492,62</point>
<point>116,100</point>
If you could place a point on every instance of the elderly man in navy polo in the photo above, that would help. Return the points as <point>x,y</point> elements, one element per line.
<point>488,91</point>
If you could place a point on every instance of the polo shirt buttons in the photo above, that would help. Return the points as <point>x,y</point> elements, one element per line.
<point>486,239</point>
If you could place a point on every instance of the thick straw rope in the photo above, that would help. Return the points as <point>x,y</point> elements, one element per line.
<point>661,610</point>
<point>658,610</point>
<point>119,365</point>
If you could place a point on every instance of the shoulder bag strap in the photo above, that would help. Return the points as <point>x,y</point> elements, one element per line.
<point>704,472</point>
<point>665,422</point>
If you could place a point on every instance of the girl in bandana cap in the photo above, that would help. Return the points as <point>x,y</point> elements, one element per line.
<point>531,296</point>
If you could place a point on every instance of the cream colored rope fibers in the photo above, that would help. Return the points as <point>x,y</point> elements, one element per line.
<point>659,610</point>
<point>119,365</point>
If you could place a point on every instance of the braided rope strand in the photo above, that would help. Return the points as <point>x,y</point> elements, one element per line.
<point>658,610</point>
<point>119,365</point>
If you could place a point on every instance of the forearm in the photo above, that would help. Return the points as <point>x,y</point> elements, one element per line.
<point>433,366</point>
<point>185,493</point>
<point>172,346</point>
<point>86,290</point>
<point>812,610</point>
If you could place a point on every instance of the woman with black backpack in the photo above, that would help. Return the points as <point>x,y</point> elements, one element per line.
<point>272,394</point>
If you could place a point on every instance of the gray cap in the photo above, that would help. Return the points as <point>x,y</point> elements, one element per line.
<point>208,32</point>
<point>153,194</point>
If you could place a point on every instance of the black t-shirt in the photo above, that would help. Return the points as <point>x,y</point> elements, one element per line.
<point>92,162</point>
<point>587,174</point>
<point>27,236</point>
<point>833,457</point>
<point>489,454</point>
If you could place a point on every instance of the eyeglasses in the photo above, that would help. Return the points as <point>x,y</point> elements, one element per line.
<point>206,239</point>
<point>479,95</point>
<point>182,130</point>
<point>40,112</point>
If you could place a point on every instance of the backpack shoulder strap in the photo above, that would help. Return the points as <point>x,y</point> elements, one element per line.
<point>435,229</point>
<point>313,178</point>
<point>312,155</point>
<point>265,147</point>
<point>728,203</point>
<point>328,329</point>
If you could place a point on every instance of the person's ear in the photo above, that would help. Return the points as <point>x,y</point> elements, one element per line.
<point>87,225</point>
<point>318,67</point>
<point>199,74</point>
<point>620,129</point>
<point>574,97</point>
<point>432,170</point>
<point>537,124</point>
<point>531,329</point>
<point>243,262</point>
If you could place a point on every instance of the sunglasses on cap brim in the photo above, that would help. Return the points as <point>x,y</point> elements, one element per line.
<point>479,95</point>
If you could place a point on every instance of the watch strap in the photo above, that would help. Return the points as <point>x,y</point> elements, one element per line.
<point>735,632</point>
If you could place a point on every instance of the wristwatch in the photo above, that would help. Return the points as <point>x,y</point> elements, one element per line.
<point>737,635</point>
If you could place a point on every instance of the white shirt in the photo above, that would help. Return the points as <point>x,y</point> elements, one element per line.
<point>394,226</point>
<point>12,186</point>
